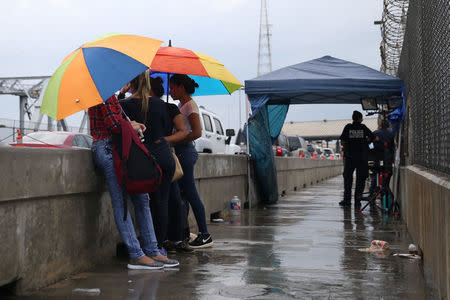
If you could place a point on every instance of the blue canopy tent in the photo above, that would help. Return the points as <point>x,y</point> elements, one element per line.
<point>319,81</point>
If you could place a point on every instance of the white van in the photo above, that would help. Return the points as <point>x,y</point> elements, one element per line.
<point>214,139</point>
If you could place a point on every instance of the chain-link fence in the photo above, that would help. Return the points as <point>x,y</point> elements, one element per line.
<point>8,129</point>
<point>425,68</point>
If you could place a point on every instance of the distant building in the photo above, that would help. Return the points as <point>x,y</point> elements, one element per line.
<point>322,130</point>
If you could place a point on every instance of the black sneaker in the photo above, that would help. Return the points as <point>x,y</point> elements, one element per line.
<point>169,246</point>
<point>184,247</point>
<point>357,203</point>
<point>202,241</point>
<point>345,203</point>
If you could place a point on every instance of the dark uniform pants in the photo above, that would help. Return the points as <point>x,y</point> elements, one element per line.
<point>362,171</point>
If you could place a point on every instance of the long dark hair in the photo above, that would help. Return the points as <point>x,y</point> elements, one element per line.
<point>189,84</point>
<point>157,86</point>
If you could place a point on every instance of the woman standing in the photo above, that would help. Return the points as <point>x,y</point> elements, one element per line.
<point>104,120</point>
<point>152,112</point>
<point>181,88</point>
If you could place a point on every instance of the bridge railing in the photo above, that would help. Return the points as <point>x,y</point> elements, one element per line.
<point>8,128</point>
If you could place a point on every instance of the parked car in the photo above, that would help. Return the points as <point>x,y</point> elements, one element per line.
<point>241,142</point>
<point>328,153</point>
<point>213,139</point>
<point>312,151</point>
<point>319,151</point>
<point>229,147</point>
<point>55,139</point>
<point>281,146</point>
<point>297,147</point>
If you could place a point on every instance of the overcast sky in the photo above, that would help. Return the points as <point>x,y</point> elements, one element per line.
<point>37,35</point>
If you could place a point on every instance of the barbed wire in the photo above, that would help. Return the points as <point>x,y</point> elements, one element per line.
<point>393,24</point>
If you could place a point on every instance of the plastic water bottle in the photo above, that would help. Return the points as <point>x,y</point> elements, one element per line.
<point>235,205</point>
<point>235,211</point>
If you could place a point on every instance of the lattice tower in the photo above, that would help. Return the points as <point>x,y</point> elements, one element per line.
<point>264,50</point>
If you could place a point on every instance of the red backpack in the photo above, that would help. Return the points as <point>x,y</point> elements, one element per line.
<point>136,169</point>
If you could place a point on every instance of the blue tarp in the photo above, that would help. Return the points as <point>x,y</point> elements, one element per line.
<point>319,81</point>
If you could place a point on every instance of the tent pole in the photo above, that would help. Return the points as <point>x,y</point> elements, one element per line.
<point>167,89</point>
<point>168,75</point>
<point>240,112</point>
<point>248,155</point>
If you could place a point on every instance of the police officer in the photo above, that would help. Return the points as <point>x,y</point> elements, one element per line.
<point>355,138</point>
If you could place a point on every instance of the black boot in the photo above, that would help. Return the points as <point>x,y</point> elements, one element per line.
<point>345,203</point>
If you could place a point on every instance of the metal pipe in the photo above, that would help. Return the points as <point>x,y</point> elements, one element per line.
<point>23,101</point>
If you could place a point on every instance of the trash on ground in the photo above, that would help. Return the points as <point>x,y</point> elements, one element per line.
<point>408,255</point>
<point>217,220</point>
<point>375,246</point>
<point>90,292</point>
<point>413,249</point>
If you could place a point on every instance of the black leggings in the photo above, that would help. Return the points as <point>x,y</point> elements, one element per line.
<point>159,200</point>
<point>178,215</point>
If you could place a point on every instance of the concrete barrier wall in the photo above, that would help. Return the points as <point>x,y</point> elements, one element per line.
<point>56,217</point>
<point>294,173</point>
<point>425,206</point>
<point>218,178</point>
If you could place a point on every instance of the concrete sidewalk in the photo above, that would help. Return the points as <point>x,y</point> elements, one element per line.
<point>306,246</point>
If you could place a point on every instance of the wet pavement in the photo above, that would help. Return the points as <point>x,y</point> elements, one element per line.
<point>304,247</point>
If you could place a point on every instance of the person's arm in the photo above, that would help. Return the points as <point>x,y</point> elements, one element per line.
<point>344,135</point>
<point>138,126</point>
<point>113,114</point>
<point>372,137</point>
<point>196,129</point>
<point>122,92</point>
<point>180,134</point>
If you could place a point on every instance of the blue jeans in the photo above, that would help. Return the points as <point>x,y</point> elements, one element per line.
<point>103,158</point>
<point>187,155</point>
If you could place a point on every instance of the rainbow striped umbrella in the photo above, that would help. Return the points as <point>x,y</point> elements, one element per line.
<point>95,71</point>
<point>212,77</point>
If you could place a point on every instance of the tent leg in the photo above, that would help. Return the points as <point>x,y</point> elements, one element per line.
<point>248,158</point>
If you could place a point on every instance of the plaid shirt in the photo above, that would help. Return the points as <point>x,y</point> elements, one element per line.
<point>105,118</point>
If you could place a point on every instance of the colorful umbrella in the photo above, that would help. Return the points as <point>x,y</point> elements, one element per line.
<point>212,77</point>
<point>95,71</point>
